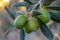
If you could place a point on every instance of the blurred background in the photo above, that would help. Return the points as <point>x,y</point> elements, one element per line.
<point>6,22</point>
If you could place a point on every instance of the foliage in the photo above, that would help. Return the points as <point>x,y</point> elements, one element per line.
<point>38,12</point>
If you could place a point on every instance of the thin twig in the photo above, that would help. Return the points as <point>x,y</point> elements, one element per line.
<point>35,6</point>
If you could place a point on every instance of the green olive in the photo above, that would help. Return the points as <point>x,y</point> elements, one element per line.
<point>33,24</point>
<point>20,21</point>
<point>27,29</point>
<point>45,16</point>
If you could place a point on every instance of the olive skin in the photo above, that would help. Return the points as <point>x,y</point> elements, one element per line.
<point>33,24</point>
<point>20,21</point>
<point>27,29</point>
<point>45,15</point>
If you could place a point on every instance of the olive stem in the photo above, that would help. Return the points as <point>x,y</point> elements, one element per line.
<point>35,7</point>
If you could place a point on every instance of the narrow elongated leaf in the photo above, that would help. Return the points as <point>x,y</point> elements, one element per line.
<point>36,13</point>
<point>28,1</point>
<point>18,4</point>
<point>55,16</point>
<point>47,2</point>
<point>9,29</point>
<point>13,15</point>
<point>46,31</point>
<point>22,34</point>
<point>11,12</point>
<point>53,7</point>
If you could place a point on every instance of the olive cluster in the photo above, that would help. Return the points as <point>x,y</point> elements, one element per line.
<point>31,24</point>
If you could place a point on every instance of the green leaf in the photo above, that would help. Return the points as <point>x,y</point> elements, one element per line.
<point>22,34</point>
<point>13,15</point>
<point>11,12</point>
<point>18,4</point>
<point>36,13</point>
<point>47,2</point>
<point>53,7</point>
<point>29,2</point>
<point>55,16</point>
<point>46,31</point>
